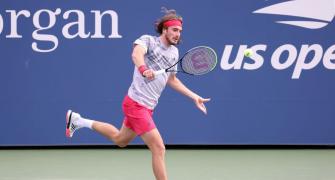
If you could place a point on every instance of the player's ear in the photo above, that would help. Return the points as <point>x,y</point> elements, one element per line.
<point>164,30</point>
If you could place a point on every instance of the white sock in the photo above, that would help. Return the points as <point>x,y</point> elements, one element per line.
<point>85,123</point>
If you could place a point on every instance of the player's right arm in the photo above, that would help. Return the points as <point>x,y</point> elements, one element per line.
<point>138,59</point>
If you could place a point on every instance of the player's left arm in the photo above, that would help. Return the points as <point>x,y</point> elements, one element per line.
<point>176,84</point>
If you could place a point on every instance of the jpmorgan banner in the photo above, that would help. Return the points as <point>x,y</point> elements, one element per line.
<point>60,55</point>
<point>51,17</point>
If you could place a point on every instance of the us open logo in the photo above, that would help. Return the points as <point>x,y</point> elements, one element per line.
<point>310,14</point>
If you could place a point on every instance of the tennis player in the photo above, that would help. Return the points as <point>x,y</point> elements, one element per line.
<point>150,53</point>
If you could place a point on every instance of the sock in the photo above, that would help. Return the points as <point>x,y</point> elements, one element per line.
<point>85,123</point>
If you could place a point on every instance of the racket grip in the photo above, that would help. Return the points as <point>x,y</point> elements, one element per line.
<point>156,73</point>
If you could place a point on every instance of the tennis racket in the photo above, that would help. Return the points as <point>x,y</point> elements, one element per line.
<point>196,61</point>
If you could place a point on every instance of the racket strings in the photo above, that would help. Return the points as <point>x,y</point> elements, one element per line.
<point>199,61</point>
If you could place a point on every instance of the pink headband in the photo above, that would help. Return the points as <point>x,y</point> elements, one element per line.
<point>173,22</point>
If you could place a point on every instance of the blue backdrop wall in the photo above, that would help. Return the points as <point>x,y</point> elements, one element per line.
<point>59,55</point>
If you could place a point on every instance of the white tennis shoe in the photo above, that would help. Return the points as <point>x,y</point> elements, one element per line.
<point>72,119</point>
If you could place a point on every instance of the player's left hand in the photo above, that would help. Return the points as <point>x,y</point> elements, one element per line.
<point>199,102</point>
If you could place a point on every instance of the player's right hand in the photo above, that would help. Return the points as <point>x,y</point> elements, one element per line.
<point>149,74</point>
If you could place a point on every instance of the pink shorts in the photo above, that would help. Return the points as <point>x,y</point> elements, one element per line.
<point>137,117</point>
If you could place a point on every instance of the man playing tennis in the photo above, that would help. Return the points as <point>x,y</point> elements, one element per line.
<point>149,54</point>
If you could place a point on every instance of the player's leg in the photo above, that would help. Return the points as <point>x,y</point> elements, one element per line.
<point>120,137</point>
<point>139,118</point>
<point>156,145</point>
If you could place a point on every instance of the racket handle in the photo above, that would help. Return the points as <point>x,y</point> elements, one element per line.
<point>156,73</point>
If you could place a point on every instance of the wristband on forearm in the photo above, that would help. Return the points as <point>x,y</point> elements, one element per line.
<point>142,68</point>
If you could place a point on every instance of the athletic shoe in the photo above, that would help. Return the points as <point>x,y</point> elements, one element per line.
<point>71,119</point>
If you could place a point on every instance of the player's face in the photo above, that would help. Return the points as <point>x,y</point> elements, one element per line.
<point>172,34</point>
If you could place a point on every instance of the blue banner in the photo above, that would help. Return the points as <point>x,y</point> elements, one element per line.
<point>61,55</point>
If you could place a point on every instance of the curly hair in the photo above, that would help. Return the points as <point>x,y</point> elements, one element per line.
<point>170,14</point>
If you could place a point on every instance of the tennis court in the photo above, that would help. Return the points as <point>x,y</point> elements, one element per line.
<point>126,164</point>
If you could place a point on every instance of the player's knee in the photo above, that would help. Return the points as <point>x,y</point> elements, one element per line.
<point>120,142</point>
<point>122,145</point>
<point>159,149</point>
